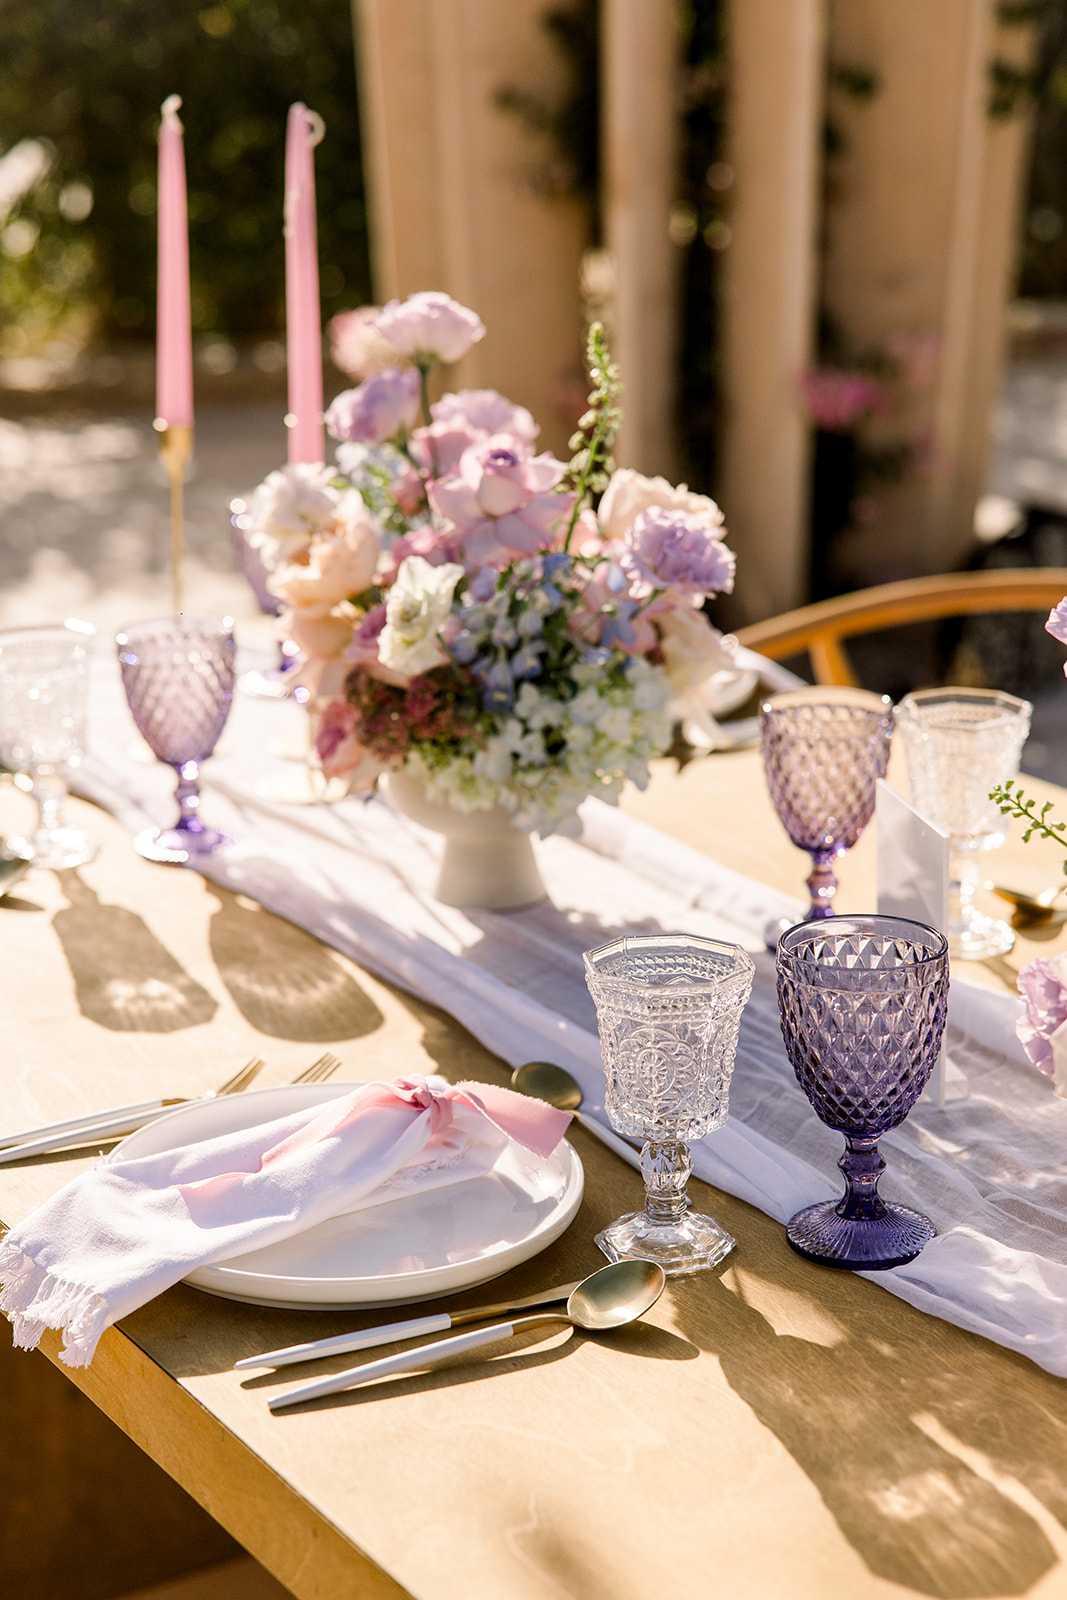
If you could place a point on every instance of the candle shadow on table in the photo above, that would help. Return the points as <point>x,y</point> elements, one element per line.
<point>281,979</point>
<point>939,1455</point>
<point>124,978</point>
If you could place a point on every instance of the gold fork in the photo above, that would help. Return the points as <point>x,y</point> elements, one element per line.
<point>324,1067</point>
<point>103,1126</point>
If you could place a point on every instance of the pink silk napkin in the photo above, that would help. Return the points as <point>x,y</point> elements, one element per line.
<point>120,1234</point>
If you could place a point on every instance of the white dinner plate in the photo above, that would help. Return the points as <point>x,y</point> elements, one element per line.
<point>414,1248</point>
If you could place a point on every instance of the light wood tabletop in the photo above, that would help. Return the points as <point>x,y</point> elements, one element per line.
<point>771,1429</point>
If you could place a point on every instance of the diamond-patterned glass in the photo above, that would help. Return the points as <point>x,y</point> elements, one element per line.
<point>178,674</point>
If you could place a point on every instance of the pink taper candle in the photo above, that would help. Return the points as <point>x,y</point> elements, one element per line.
<point>174,339</point>
<point>303,316</point>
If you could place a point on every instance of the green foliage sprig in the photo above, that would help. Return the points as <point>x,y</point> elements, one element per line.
<point>1012,802</point>
<point>591,463</point>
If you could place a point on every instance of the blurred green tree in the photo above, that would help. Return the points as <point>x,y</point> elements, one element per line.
<point>84,81</point>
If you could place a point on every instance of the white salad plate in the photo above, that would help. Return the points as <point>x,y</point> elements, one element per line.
<point>412,1248</point>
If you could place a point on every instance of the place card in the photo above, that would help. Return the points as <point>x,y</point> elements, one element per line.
<point>913,866</point>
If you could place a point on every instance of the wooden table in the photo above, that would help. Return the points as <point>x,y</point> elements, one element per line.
<point>773,1429</point>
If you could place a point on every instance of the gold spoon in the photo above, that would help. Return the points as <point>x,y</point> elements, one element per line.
<point>1030,910</point>
<point>610,1298</point>
<point>543,1080</point>
<point>12,868</point>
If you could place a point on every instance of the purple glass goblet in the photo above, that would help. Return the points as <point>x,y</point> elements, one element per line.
<point>178,675</point>
<point>862,1004</point>
<point>273,684</point>
<point>824,750</point>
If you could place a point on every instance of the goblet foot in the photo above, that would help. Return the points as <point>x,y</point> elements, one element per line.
<point>689,1243</point>
<point>978,936</point>
<point>175,846</point>
<point>54,848</point>
<point>274,684</point>
<point>860,1244</point>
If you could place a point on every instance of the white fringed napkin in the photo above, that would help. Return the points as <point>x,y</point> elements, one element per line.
<point>120,1234</point>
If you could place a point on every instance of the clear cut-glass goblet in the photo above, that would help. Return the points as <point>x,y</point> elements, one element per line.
<point>275,682</point>
<point>824,750</point>
<point>960,744</point>
<point>178,674</point>
<point>668,1010</point>
<point>44,689</point>
<point>862,1004</point>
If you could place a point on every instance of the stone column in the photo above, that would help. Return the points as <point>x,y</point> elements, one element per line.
<point>639,121</point>
<point>453,189</point>
<point>776,58</point>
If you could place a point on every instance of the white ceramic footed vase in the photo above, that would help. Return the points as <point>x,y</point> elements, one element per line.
<point>487,864</point>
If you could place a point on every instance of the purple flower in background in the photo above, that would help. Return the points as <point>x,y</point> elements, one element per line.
<point>1043,986</point>
<point>1057,626</point>
<point>378,409</point>
<point>429,326</point>
<point>666,549</point>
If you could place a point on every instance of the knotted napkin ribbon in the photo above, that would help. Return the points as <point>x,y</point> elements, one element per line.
<point>118,1235</point>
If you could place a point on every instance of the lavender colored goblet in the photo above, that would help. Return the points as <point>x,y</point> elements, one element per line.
<point>178,676</point>
<point>824,750</point>
<point>862,1003</point>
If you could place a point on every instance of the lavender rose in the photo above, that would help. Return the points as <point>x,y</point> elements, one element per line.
<point>484,411</point>
<point>667,549</point>
<point>378,409</point>
<point>1043,986</point>
<point>501,501</point>
<point>429,326</point>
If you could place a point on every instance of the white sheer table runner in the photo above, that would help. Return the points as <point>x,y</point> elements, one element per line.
<point>988,1169</point>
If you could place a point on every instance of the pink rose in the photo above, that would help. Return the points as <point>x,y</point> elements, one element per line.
<point>429,326</point>
<point>676,550</point>
<point>629,493</point>
<point>1043,986</point>
<point>1057,625</point>
<point>378,410</point>
<point>437,449</point>
<point>355,346</point>
<point>500,501</point>
<point>339,751</point>
<point>484,411</point>
<point>317,632</point>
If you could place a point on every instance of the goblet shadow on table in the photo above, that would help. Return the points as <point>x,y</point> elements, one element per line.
<point>124,978</point>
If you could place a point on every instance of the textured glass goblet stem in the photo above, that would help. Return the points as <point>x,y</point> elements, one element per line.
<point>666,1166</point>
<point>863,1166</point>
<point>49,792</point>
<point>187,793</point>
<point>822,885</point>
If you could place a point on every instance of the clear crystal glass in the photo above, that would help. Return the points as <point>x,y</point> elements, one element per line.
<point>959,744</point>
<point>668,1009</point>
<point>44,688</point>
<point>178,674</point>
<point>862,1004</point>
<point>824,750</point>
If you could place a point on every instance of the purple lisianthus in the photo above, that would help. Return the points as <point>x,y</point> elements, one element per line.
<point>1057,625</point>
<point>501,501</point>
<point>668,549</point>
<point>1043,986</point>
<point>378,409</point>
<point>429,326</point>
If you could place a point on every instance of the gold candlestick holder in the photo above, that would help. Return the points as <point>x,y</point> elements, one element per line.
<point>175,452</point>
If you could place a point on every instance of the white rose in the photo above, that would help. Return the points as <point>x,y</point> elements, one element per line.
<point>417,608</point>
<point>289,508</point>
<point>628,494</point>
<point>692,648</point>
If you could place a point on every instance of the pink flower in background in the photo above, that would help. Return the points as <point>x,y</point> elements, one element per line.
<point>429,326</point>
<point>409,491</point>
<point>676,550</point>
<point>1043,986</point>
<point>500,501</point>
<point>356,347</point>
<point>837,398</point>
<point>1057,625</point>
<point>378,409</point>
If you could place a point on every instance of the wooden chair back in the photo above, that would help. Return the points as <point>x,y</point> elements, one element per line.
<point>822,628</point>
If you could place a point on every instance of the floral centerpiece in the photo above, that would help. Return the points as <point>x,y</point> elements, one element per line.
<point>506,630</point>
